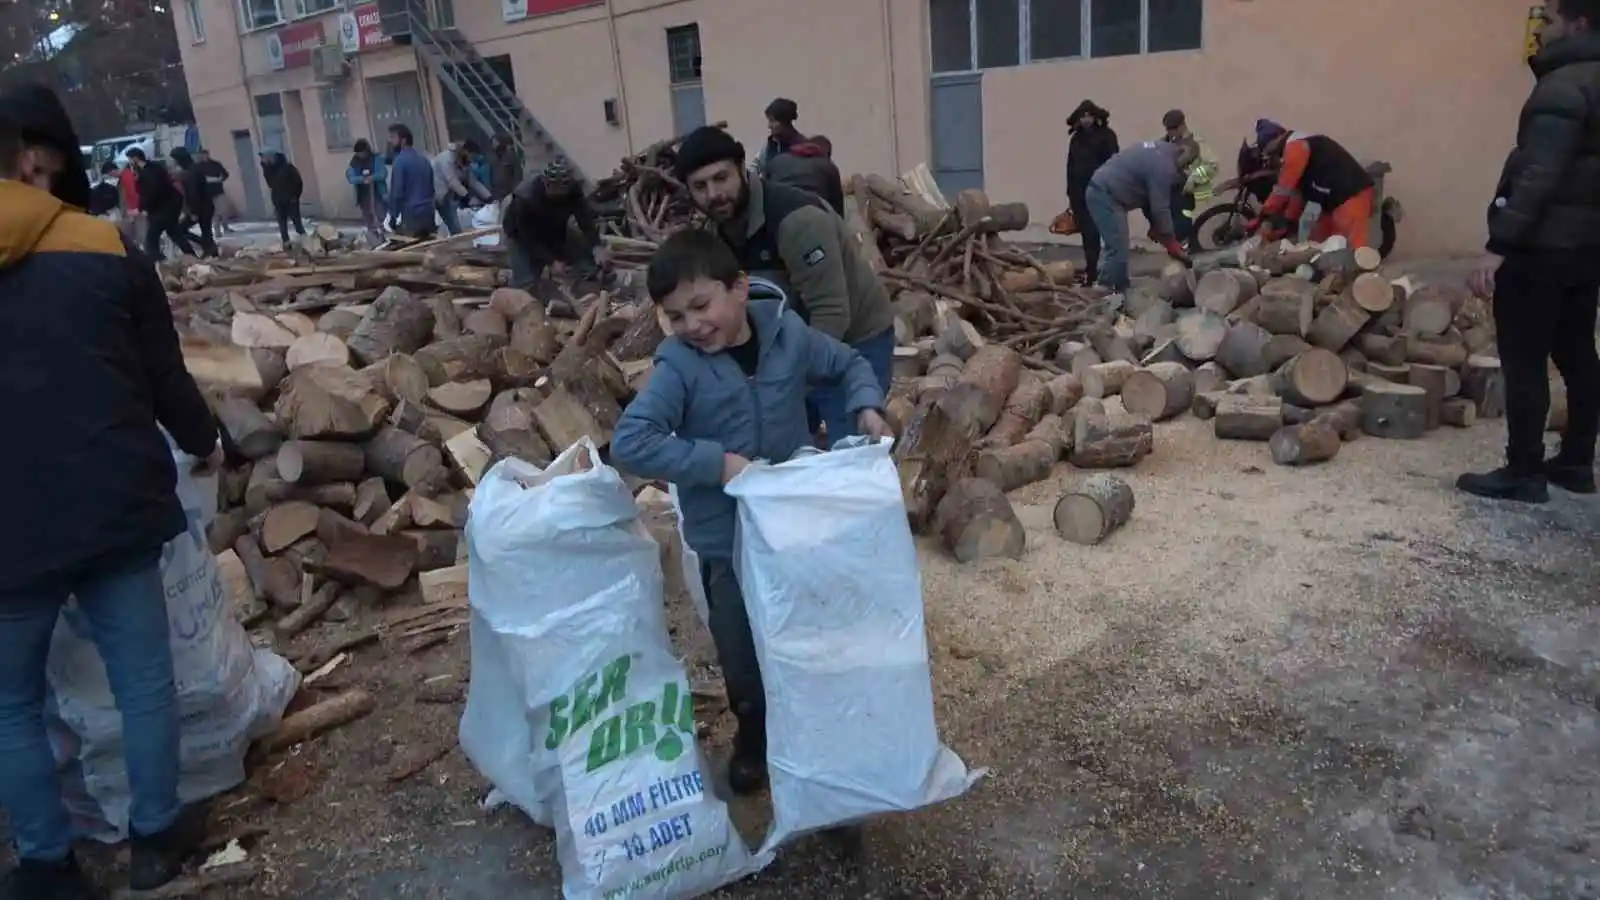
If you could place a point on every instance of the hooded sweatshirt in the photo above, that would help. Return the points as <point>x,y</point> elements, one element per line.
<point>807,166</point>
<point>1143,177</point>
<point>697,406</point>
<point>282,178</point>
<point>90,360</point>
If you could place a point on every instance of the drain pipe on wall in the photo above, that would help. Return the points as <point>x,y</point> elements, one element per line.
<point>616,67</point>
<point>894,113</point>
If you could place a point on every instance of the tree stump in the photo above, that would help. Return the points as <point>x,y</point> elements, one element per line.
<point>975,521</point>
<point>1201,334</point>
<point>1337,324</point>
<point>1390,410</point>
<point>1159,391</point>
<point>1027,461</point>
<point>1243,351</point>
<point>1246,417</point>
<point>1111,441</point>
<point>1106,379</point>
<point>1483,383</point>
<point>1101,505</point>
<point>1299,445</point>
<point>320,462</point>
<point>1314,378</point>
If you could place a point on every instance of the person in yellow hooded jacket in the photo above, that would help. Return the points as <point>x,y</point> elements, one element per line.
<point>1195,190</point>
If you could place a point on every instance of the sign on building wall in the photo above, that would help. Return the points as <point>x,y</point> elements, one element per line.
<point>1530,31</point>
<point>517,10</point>
<point>361,29</point>
<point>291,48</point>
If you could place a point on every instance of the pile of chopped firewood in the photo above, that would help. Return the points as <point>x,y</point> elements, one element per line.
<point>645,201</point>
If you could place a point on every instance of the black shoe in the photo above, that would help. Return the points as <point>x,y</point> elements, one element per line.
<point>1577,478</point>
<point>1506,484</point>
<point>158,858</point>
<point>36,880</point>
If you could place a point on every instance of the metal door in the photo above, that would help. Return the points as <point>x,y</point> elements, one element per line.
<point>957,125</point>
<point>255,206</point>
<point>397,100</point>
<point>688,107</point>
<point>274,132</point>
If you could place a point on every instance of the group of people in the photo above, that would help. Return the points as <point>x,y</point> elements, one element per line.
<point>414,193</point>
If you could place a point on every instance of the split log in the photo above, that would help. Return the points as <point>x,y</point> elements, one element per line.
<point>1065,392</point>
<point>381,560</point>
<point>1159,391</point>
<point>462,398</point>
<point>249,429</point>
<point>403,458</point>
<point>316,349</point>
<point>1435,351</point>
<point>1483,383</point>
<point>320,402</point>
<point>562,421</point>
<point>1314,378</point>
<point>398,377</point>
<point>639,341</point>
<point>340,321</point>
<point>1299,445</point>
<point>1106,379</point>
<point>1027,461</point>
<point>222,366</point>
<point>1243,351</point>
<point>1286,306</point>
<point>533,334</point>
<point>1166,352</point>
<point>1246,417</point>
<point>932,451</point>
<point>284,523</point>
<point>1430,309</point>
<point>1459,412</point>
<point>1399,374</point>
<point>276,581</point>
<point>1201,334</point>
<point>395,323</point>
<point>1391,410</point>
<point>1383,349</point>
<point>372,501</point>
<point>252,330</point>
<point>317,719</point>
<point>1432,380</point>
<point>461,358</point>
<point>508,428</point>
<point>861,234</point>
<point>1111,441</point>
<point>435,549</point>
<point>320,462</point>
<point>485,321</point>
<point>514,369</point>
<point>960,339</point>
<point>1337,324</point>
<point>1371,292</point>
<point>470,454</point>
<point>976,522</point>
<point>1088,515</point>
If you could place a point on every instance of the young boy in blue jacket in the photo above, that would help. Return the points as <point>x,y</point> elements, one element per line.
<point>729,386</point>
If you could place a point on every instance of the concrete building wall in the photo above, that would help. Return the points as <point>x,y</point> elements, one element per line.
<point>1434,90</point>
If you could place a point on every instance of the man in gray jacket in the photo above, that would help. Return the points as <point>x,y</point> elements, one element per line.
<point>454,185</point>
<point>1142,177</point>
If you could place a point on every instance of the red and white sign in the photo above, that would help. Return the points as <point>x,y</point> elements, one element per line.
<point>291,48</point>
<point>517,10</point>
<point>361,29</point>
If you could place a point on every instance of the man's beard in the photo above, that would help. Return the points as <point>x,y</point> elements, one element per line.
<point>723,214</point>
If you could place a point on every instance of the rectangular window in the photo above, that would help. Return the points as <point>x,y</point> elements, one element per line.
<point>260,13</point>
<point>197,26</point>
<point>304,8</point>
<point>999,33</point>
<point>950,24</point>
<point>1174,25</point>
<point>1055,29</point>
<point>1115,27</point>
<point>683,54</point>
<point>335,119</point>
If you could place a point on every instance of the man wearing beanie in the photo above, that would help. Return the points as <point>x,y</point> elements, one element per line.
<point>1313,168</point>
<point>791,237</point>
<point>90,361</point>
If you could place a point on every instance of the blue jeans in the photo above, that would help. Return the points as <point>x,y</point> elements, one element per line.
<point>450,212</point>
<point>829,402</point>
<point>1112,220</point>
<point>126,611</point>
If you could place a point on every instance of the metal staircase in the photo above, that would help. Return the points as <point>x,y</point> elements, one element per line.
<point>486,97</point>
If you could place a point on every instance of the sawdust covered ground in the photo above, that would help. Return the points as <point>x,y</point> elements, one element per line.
<point>1344,681</point>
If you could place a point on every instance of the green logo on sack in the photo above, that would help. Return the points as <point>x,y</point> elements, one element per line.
<point>628,730</point>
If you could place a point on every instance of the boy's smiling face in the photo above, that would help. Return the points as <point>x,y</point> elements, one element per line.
<point>707,314</point>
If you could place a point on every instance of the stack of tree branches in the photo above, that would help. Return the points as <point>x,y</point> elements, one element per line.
<point>1298,345</point>
<point>642,201</point>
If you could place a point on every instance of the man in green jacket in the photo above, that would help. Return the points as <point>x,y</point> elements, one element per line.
<point>790,237</point>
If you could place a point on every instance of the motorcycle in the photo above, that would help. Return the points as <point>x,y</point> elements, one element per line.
<point>1223,224</point>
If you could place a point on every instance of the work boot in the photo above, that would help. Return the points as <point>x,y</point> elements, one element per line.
<point>158,858</point>
<point>747,769</point>
<point>34,879</point>
<point>1506,483</point>
<point>1570,473</point>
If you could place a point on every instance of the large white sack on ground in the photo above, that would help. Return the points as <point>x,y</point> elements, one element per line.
<point>229,691</point>
<point>829,572</point>
<point>578,712</point>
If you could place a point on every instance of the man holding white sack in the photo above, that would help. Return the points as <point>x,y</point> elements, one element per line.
<point>90,361</point>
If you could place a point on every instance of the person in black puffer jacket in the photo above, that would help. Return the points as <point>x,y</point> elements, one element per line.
<point>808,165</point>
<point>1092,143</point>
<point>1544,269</point>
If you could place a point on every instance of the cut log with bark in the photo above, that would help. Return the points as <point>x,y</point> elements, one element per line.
<point>1177,284</point>
<point>340,321</point>
<point>1100,505</point>
<point>1076,357</point>
<point>1300,445</point>
<point>1153,321</point>
<point>1065,392</point>
<point>1106,379</point>
<point>996,370</point>
<point>1243,351</point>
<point>1285,306</point>
<point>1204,405</point>
<point>1433,380</point>
<point>1430,309</point>
<point>1458,412</point>
<point>320,462</point>
<point>1110,347</point>
<point>1159,391</point>
<point>462,398</point>
<point>1371,292</point>
<point>384,561</point>
<point>1345,417</point>
<point>1435,351</point>
<point>252,330</point>
<point>436,549</point>
<point>931,452</point>
<point>861,235</point>
<point>461,358</point>
<point>1337,324</point>
<point>249,429</point>
<point>1027,404</point>
<point>372,501</point>
<point>975,521</point>
<point>908,362</point>
<point>1314,378</point>
<point>1027,461</point>
<point>1111,441</point>
<point>276,581</point>
<point>1284,347</point>
<point>316,349</point>
<point>639,341</point>
<point>396,322</point>
<point>1247,417</point>
<point>485,320</point>
<point>324,403</point>
<point>1382,349</point>
<point>1483,383</point>
<point>285,523</point>
<point>306,614</point>
<point>222,367</point>
<point>511,302</point>
<point>1021,281</point>
<point>317,719</point>
<point>508,428</point>
<point>959,339</point>
<point>403,458</point>
<point>1201,334</point>
<point>1398,411</point>
<point>398,378</point>
<point>1219,292</point>
<point>943,371</point>
<point>533,333</point>
<point>1399,374</point>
